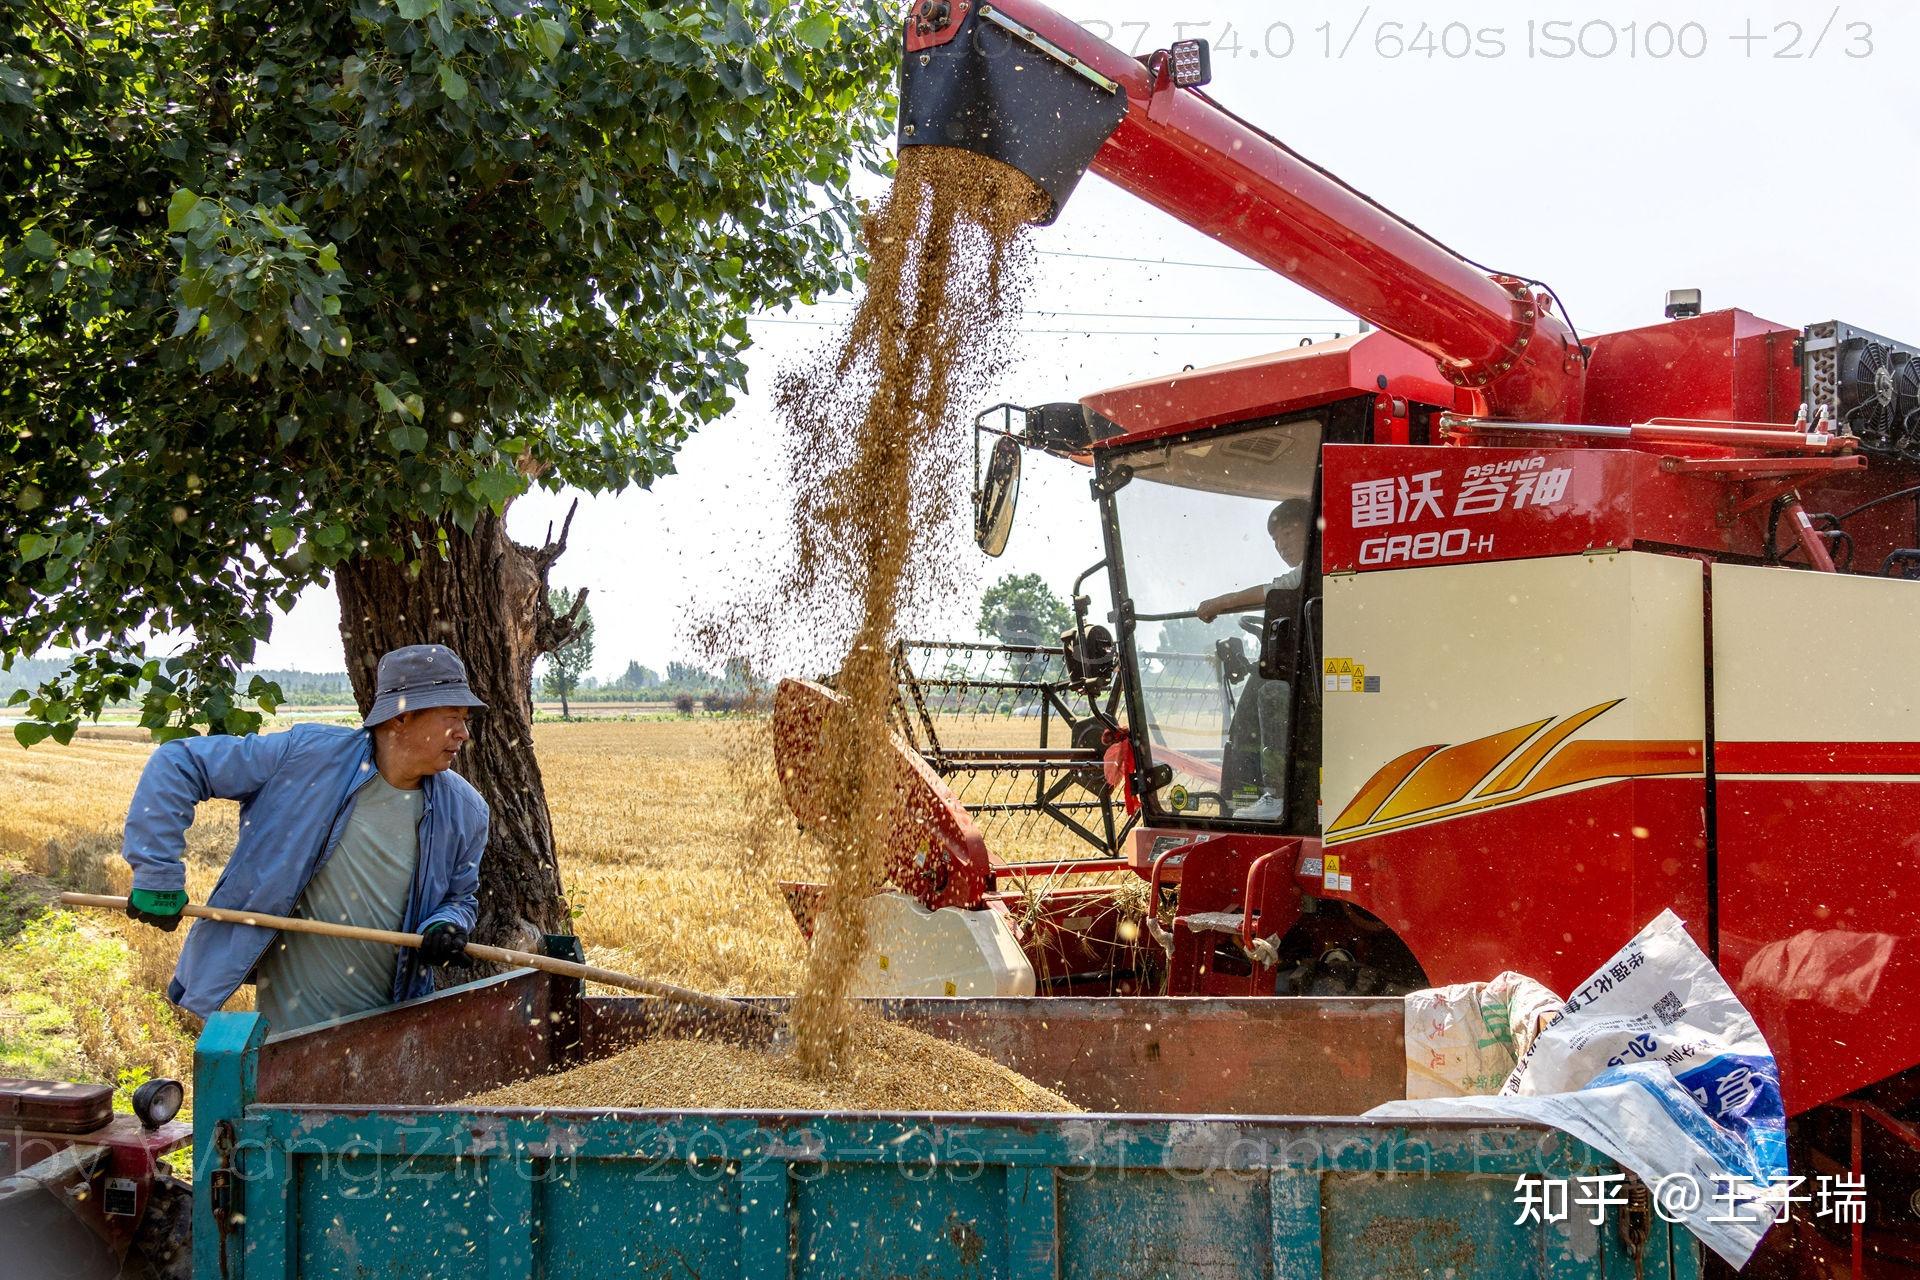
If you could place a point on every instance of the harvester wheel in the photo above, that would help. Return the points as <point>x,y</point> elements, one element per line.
<point>1333,955</point>
<point>1335,973</point>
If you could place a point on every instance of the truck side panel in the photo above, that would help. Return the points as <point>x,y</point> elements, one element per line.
<point>316,1191</point>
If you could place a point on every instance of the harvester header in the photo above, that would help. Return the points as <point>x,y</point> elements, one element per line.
<point>1016,82</point>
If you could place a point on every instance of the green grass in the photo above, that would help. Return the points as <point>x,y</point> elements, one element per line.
<point>68,1006</point>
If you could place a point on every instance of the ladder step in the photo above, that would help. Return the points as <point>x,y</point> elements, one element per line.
<point>1214,921</point>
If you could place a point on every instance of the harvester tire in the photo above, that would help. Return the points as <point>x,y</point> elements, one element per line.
<point>1335,973</point>
<point>1349,954</point>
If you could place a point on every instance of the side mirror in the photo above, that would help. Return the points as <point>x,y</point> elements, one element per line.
<point>1276,636</point>
<point>995,496</point>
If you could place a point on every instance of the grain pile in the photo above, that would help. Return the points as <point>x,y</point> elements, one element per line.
<point>885,1067</point>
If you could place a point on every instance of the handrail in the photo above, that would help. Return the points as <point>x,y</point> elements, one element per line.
<point>1256,883</point>
<point>1154,929</point>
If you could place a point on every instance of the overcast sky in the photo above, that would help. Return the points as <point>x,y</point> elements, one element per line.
<point>1776,176</point>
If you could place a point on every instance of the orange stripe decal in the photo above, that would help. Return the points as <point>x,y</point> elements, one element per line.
<point>1530,759</point>
<point>1587,761</point>
<point>1378,788</point>
<point>1435,783</point>
<point>1450,774</point>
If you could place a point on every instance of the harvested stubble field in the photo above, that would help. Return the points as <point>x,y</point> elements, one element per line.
<point>670,859</point>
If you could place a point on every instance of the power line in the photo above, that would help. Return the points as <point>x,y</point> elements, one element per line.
<point>1154,262</point>
<point>1317,322</point>
<point>1093,333</point>
<point>849,255</point>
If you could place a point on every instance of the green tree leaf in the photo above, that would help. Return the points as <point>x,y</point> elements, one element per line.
<point>1021,609</point>
<point>285,207</point>
<point>179,207</point>
<point>815,31</point>
<point>549,37</point>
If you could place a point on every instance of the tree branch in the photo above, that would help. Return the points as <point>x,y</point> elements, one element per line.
<point>551,633</point>
<point>73,38</point>
<point>543,558</point>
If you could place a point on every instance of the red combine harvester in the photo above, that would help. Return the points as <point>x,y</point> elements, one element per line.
<point>1511,637</point>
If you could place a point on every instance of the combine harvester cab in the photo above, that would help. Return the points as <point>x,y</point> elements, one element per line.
<point>1549,632</point>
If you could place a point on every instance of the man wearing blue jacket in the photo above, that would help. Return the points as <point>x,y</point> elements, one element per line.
<point>365,826</point>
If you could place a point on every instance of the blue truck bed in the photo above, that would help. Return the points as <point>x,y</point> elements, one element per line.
<point>349,1183</point>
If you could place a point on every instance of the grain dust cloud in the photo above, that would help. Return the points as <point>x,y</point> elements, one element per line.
<point>880,464</point>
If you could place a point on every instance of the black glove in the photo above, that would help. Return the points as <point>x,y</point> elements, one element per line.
<point>442,942</point>
<point>157,907</point>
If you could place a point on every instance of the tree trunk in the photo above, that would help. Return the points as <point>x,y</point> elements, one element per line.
<point>487,601</point>
<point>566,712</point>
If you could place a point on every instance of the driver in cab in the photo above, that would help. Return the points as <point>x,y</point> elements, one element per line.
<point>1272,698</point>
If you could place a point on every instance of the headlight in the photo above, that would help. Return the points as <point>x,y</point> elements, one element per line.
<point>158,1101</point>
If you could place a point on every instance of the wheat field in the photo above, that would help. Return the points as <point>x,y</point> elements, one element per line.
<point>671,836</point>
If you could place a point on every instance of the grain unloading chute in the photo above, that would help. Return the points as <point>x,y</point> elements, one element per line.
<point>1017,82</point>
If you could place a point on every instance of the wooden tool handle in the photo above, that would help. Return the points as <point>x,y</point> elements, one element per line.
<point>497,955</point>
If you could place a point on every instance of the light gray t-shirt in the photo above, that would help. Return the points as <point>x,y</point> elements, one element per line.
<point>305,978</point>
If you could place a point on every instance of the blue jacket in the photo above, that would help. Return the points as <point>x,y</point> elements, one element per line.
<point>296,790</point>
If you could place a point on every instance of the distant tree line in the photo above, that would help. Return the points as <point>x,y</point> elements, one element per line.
<point>312,688</point>
<point>688,686</point>
<point>28,673</point>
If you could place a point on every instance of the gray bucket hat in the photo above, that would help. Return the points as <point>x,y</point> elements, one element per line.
<point>418,677</point>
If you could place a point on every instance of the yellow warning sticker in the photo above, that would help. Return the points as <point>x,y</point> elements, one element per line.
<point>1330,871</point>
<point>1344,675</point>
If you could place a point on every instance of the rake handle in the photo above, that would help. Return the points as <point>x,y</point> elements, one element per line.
<point>497,955</point>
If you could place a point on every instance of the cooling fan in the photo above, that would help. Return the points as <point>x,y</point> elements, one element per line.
<point>1867,393</point>
<point>1906,404</point>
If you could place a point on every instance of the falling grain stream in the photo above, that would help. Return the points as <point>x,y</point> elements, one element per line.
<point>877,445</point>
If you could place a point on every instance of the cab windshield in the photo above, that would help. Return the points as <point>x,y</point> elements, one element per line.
<point>1206,530</point>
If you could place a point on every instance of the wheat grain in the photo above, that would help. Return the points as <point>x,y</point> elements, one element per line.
<point>882,1067</point>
